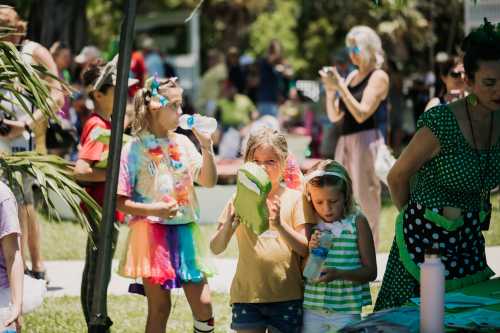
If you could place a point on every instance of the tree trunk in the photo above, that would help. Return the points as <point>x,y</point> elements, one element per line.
<point>59,20</point>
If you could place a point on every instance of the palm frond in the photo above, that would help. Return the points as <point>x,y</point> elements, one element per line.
<point>52,174</point>
<point>26,81</point>
<point>6,31</point>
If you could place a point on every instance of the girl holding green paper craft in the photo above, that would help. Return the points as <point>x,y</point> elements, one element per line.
<point>156,187</point>
<point>267,289</point>
<point>336,298</point>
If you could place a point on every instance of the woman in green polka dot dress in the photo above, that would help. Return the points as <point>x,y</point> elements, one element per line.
<point>454,158</point>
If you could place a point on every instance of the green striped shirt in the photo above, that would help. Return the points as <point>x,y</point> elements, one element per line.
<point>340,295</point>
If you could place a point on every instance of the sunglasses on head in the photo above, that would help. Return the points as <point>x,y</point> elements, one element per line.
<point>457,74</point>
<point>354,49</point>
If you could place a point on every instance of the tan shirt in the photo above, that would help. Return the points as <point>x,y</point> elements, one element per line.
<point>268,270</point>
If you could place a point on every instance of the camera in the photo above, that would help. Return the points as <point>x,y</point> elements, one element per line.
<point>4,128</point>
<point>328,70</point>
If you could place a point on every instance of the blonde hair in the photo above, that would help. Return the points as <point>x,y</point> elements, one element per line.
<point>339,179</point>
<point>10,18</point>
<point>142,99</point>
<point>266,136</point>
<point>369,44</point>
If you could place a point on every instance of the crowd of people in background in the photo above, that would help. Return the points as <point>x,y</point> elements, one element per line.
<point>237,89</point>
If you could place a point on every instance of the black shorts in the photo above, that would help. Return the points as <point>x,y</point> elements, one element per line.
<point>277,317</point>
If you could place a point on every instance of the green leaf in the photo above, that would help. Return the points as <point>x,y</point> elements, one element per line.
<point>27,81</point>
<point>52,173</point>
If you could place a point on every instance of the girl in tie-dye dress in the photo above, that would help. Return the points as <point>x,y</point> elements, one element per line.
<point>157,173</point>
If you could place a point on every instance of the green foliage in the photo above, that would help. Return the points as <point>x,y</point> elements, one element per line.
<point>52,173</point>
<point>310,31</point>
<point>281,24</point>
<point>317,34</point>
<point>22,80</point>
<point>104,21</point>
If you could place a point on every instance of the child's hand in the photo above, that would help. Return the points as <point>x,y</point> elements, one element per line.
<point>314,242</point>
<point>232,220</point>
<point>165,210</point>
<point>204,139</point>
<point>273,205</point>
<point>14,318</point>
<point>328,275</point>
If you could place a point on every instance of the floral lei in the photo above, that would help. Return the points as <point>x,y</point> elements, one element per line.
<point>156,153</point>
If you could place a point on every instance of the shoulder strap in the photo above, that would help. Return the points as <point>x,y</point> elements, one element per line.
<point>349,77</point>
<point>27,51</point>
<point>29,47</point>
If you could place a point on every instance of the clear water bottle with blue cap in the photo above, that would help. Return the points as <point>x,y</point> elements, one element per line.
<point>9,330</point>
<point>318,255</point>
<point>5,313</point>
<point>203,124</point>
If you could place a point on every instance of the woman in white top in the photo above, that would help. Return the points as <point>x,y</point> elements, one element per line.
<point>18,137</point>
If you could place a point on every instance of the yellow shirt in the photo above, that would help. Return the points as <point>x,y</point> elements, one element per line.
<point>268,270</point>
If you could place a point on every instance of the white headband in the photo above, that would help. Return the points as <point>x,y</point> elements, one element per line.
<point>108,75</point>
<point>321,173</point>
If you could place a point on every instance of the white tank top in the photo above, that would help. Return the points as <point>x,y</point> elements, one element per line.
<point>22,142</point>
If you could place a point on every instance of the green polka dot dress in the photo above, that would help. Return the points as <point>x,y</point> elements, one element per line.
<point>452,178</point>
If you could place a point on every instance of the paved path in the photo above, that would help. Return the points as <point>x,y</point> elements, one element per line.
<point>65,276</point>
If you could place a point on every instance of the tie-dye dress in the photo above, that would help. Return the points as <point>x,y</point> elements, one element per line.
<point>165,251</point>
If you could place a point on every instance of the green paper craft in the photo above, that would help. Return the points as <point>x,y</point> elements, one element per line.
<point>252,188</point>
<point>104,135</point>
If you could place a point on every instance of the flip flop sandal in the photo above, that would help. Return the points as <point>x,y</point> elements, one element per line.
<point>38,275</point>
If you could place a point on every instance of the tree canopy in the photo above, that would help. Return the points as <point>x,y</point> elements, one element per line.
<point>311,31</point>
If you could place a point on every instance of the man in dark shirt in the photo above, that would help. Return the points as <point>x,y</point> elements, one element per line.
<point>270,81</point>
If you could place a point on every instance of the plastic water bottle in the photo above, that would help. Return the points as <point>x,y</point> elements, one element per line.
<point>318,255</point>
<point>4,315</point>
<point>432,292</point>
<point>203,124</point>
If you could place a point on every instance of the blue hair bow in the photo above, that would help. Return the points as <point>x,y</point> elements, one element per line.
<point>155,85</point>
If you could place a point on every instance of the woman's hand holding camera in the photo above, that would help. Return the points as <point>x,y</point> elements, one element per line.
<point>330,78</point>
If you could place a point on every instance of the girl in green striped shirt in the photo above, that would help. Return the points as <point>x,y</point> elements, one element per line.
<point>335,299</point>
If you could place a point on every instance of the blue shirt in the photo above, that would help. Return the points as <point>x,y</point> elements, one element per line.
<point>270,81</point>
<point>154,64</point>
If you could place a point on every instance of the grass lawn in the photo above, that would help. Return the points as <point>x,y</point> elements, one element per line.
<point>64,314</point>
<point>66,240</point>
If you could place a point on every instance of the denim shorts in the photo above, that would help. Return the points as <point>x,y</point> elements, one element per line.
<point>277,317</point>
